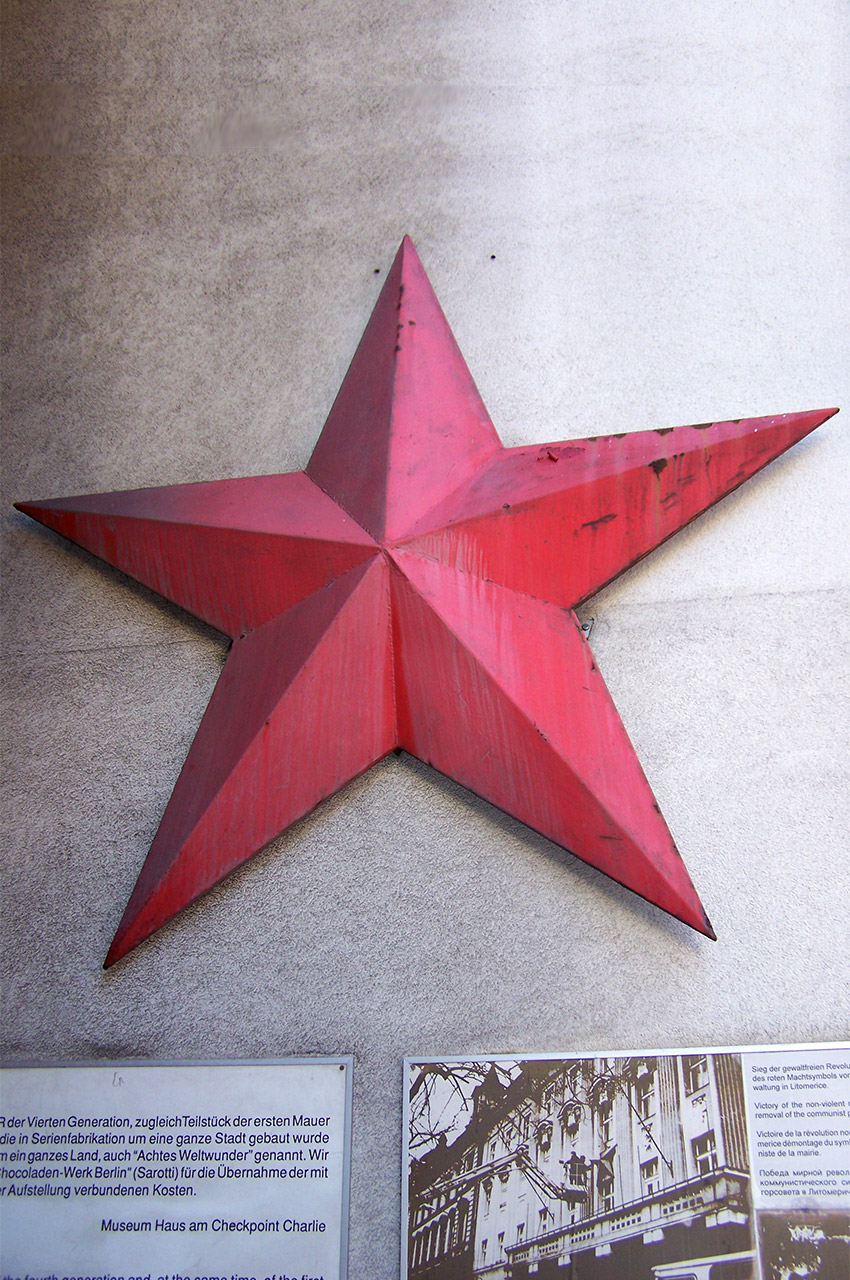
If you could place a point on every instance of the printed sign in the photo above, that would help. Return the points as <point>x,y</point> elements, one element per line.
<point>704,1164</point>
<point>227,1171</point>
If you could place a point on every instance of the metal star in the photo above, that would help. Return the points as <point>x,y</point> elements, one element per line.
<point>414,588</point>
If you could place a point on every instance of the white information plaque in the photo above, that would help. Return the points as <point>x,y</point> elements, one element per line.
<point>197,1171</point>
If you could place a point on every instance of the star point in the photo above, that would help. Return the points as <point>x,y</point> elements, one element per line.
<point>414,588</point>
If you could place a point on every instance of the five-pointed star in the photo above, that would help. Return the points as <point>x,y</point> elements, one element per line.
<point>414,588</point>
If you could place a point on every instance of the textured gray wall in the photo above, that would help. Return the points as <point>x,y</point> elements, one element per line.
<point>195,198</point>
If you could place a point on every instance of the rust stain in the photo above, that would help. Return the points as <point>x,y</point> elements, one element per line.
<point>558,453</point>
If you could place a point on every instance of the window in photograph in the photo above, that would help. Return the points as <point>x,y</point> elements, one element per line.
<point>649,1177</point>
<point>605,1124</point>
<point>571,1118</point>
<point>695,1068</point>
<point>543,1136</point>
<point>645,1096</point>
<point>705,1152</point>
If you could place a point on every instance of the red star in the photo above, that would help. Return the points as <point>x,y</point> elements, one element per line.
<point>414,588</point>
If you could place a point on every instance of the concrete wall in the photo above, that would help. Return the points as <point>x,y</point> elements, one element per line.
<point>196,198</point>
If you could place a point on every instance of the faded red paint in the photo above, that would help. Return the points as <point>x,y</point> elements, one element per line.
<point>414,588</point>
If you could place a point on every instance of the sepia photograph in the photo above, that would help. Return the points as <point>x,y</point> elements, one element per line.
<point>602,1168</point>
<point>804,1245</point>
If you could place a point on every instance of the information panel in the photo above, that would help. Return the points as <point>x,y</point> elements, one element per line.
<point>799,1112</point>
<point>691,1164</point>
<point>226,1171</point>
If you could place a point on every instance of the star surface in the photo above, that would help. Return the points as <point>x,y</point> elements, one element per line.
<point>414,588</point>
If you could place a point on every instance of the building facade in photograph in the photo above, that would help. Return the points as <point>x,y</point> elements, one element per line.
<point>630,1168</point>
